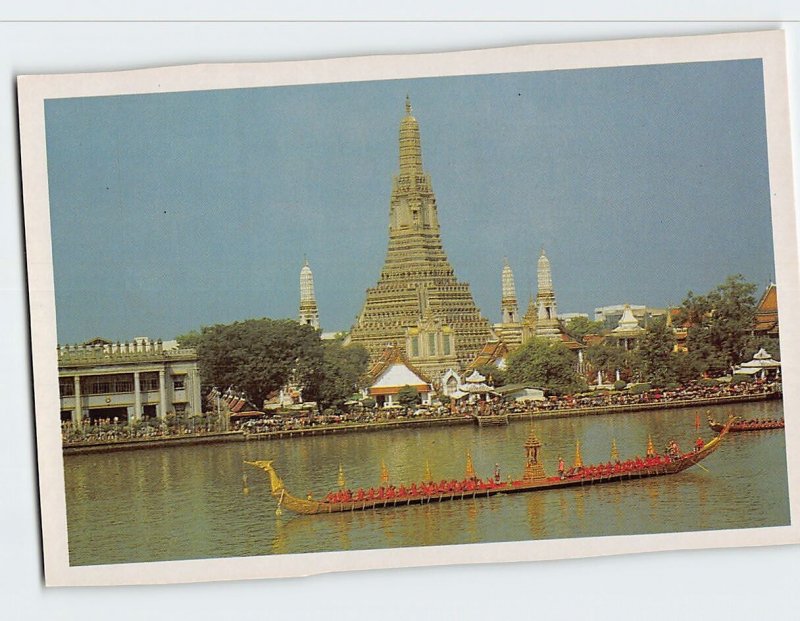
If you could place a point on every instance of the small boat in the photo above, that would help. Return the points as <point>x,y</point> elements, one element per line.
<point>534,479</point>
<point>756,424</point>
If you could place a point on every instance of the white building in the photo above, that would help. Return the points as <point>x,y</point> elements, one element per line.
<point>391,373</point>
<point>127,381</point>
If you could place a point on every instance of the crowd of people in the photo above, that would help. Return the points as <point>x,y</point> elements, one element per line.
<point>689,392</point>
<point>109,430</point>
<point>114,430</point>
<point>497,406</point>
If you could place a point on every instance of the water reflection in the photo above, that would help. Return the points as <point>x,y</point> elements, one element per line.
<point>187,502</point>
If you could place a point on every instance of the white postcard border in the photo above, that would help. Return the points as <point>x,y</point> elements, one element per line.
<point>34,90</point>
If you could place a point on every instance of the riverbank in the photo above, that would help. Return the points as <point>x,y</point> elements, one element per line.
<point>408,423</point>
<point>148,443</point>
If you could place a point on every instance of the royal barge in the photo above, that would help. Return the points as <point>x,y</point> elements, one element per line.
<point>755,424</point>
<point>534,479</point>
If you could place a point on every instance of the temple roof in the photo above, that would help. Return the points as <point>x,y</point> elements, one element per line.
<point>767,311</point>
<point>491,353</point>
<point>570,342</point>
<point>761,360</point>
<point>393,367</point>
<point>628,325</point>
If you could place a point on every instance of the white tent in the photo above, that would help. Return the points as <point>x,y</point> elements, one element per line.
<point>762,362</point>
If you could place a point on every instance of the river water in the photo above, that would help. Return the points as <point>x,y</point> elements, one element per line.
<point>188,502</point>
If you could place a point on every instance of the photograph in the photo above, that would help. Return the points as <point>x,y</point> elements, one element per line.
<point>413,305</point>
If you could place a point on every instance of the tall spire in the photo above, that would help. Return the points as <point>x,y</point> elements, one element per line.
<point>418,300</point>
<point>547,317</point>
<point>410,146</point>
<point>309,314</point>
<point>508,301</point>
<point>543,273</point>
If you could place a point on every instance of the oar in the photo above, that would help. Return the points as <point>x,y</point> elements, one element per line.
<point>702,466</point>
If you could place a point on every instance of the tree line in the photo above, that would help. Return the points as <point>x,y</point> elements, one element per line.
<point>260,356</point>
<point>719,335</point>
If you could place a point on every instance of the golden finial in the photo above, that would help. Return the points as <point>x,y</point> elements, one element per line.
<point>614,451</point>
<point>384,473</point>
<point>341,480</point>
<point>578,457</point>
<point>651,450</point>
<point>428,475</point>
<point>469,473</point>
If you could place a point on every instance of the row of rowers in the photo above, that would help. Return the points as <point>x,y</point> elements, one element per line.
<point>619,467</point>
<point>414,490</point>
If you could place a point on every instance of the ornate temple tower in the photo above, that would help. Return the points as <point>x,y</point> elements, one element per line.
<point>508,300</point>
<point>418,303</point>
<point>309,315</point>
<point>546,314</point>
<point>510,330</point>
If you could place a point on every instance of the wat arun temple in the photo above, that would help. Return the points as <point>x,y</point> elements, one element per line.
<point>418,304</point>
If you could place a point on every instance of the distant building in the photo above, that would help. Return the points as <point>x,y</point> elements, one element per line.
<point>520,392</point>
<point>611,315</point>
<point>127,381</point>
<point>566,317</point>
<point>628,331</point>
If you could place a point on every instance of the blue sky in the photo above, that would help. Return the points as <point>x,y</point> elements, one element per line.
<point>174,211</point>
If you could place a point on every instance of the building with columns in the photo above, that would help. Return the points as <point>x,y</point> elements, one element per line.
<point>309,314</point>
<point>127,381</point>
<point>418,303</point>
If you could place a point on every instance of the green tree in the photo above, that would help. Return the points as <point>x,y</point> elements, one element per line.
<point>655,353</point>
<point>545,363</point>
<point>408,395</point>
<point>190,339</point>
<point>686,366</point>
<point>578,327</point>
<point>720,324</point>
<point>341,376</point>
<point>497,375</point>
<point>771,344</point>
<point>259,356</point>
<point>609,359</point>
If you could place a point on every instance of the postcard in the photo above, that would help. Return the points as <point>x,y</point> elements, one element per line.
<point>484,306</point>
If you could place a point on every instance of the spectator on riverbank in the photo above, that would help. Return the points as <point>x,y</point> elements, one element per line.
<point>108,431</point>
